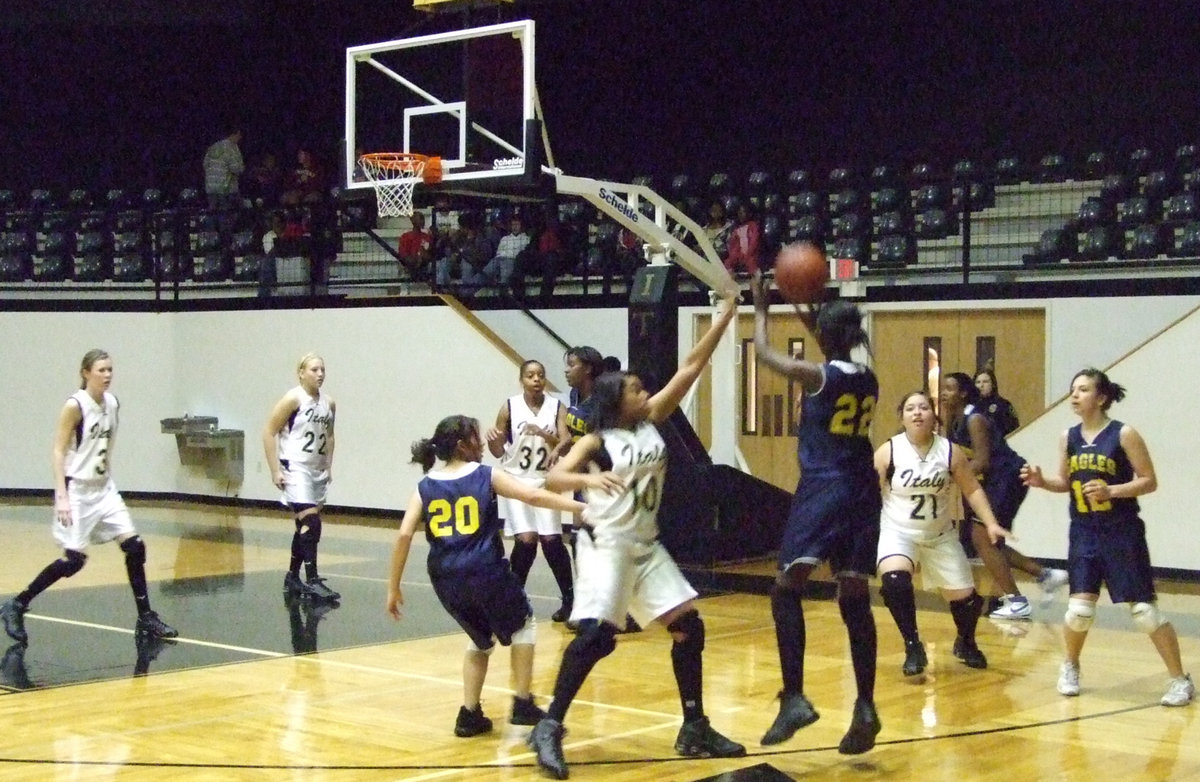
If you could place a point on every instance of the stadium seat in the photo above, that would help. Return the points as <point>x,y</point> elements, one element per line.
<point>1008,171</point>
<point>211,267</point>
<point>759,182</point>
<point>1096,166</point>
<point>857,248</point>
<point>1055,244</point>
<point>799,180</point>
<point>52,260</point>
<point>79,199</point>
<point>720,184</point>
<point>1099,243</point>
<point>851,224</point>
<point>842,178</point>
<point>1185,241</point>
<point>884,176</point>
<point>1117,187</point>
<point>116,199</point>
<point>55,221</point>
<point>153,199</point>
<point>806,202</point>
<point>983,196</point>
<point>127,221</point>
<point>808,228</point>
<point>190,198</point>
<point>1135,211</point>
<point>966,171</point>
<point>1139,162</point>
<point>1052,168</point>
<point>8,200</point>
<point>90,264</point>
<point>41,200</point>
<point>889,199</point>
<point>1161,184</point>
<point>773,203</point>
<point>1187,156</point>
<point>16,260</point>
<point>934,224</point>
<point>730,202</point>
<point>846,200</point>
<point>932,196</point>
<point>86,222</point>
<point>682,186</point>
<point>1145,241</point>
<point>894,250</point>
<point>1093,212</point>
<point>921,174</point>
<point>1182,208</point>
<point>773,228</point>
<point>890,223</point>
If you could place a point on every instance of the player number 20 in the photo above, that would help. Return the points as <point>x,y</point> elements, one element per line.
<point>462,518</point>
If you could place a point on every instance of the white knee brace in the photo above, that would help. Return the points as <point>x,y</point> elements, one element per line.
<point>1080,614</point>
<point>1147,617</point>
<point>527,634</point>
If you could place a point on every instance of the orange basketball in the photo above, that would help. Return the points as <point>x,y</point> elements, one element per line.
<point>801,271</point>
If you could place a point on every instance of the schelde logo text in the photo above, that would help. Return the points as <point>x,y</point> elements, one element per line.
<point>616,203</point>
<point>508,162</point>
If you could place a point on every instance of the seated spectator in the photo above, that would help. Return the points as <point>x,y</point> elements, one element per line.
<point>469,250</point>
<point>718,228</point>
<point>304,184</point>
<point>264,182</point>
<point>543,258</point>
<point>630,252</point>
<point>500,268</point>
<point>744,242</point>
<point>416,248</point>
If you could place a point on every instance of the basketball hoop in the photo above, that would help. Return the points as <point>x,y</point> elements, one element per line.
<point>395,175</point>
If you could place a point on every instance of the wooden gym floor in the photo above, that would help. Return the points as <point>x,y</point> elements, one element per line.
<point>256,688</point>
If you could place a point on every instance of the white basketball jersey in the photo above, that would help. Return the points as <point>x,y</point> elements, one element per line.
<point>921,495</point>
<point>639,457</point>
<point>529,454</point>
<point>87,456</point>
<point>305,438</point>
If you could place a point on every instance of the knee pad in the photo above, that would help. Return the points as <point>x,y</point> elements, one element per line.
<point>894,583</point>
<point>692,628</point>
<point>135,550</point>
<point>595,641</point>
<point>1080,614</point>
<point>528,632</point>
<point>1147,617</point>
<point>309,527</point>
<point>73,562</point>
<point>471,647</point>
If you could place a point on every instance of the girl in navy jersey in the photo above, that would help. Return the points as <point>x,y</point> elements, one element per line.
<point>619,466</point>
<point>298,441</point>
<point>87,507</point>
<point>1104,466</point>
<point>918,470</point>
<point>834,514</point>
<point>999,468</point>
<point>467,568</point>
<point>529,428</point>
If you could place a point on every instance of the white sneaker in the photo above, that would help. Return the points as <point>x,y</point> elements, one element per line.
<point>1180,691</point>
<point>1051,581</point>
<point>1014,607</point>
<point>1068,679</point>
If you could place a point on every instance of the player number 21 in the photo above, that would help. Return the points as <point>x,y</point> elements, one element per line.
<point>462,518</point>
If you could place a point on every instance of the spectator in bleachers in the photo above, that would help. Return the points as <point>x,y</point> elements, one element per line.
<point>304,184</point>
<point>264,182</point>
<point>543,258</point>
<point>470,251</point>
<point>718,228</point>
<point>500,268</point>
<point>223,165</point>
<point>744,242</point>
<point>416,248</point>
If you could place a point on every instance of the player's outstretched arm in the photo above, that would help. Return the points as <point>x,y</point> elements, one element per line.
<point>663,403</point>
<point>809,374</point>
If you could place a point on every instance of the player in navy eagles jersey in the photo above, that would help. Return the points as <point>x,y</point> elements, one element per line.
<point>834,514</point>
<point>467,568</point>
<point>1104,466</point>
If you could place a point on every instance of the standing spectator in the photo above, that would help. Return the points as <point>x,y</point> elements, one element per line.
<point>416,248</point>
<point>744,241</point>
<point>87,507</point>
<point>223,165</point>
<point>834,514</point>
<point>718,228</point>
<point>994,406</point>
<point>1105,466</point>
<point>298,440</point>
<point>467,568</point>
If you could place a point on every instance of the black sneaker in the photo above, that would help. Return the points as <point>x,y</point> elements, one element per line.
<point>318,590</point>
<point>546,740</point>
<point>149,624</point>
<point>631,625</point>
<point>13,614</point>
<point>915,660</point>
<point>969,653</point>
<point>148,648</point>
<point>471,723</point>
<point>795,712</point>
<point>864,727</point>
<point>525,712</point>
<point>294,587</point>
<point>698,739</point>
<point>563,613</point>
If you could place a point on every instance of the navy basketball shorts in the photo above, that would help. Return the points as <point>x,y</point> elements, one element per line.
<point>1113,554</point>
<point>486,605</point>
<point>833,518</point>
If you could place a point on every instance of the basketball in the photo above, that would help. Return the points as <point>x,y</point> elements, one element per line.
<point>801,272</point>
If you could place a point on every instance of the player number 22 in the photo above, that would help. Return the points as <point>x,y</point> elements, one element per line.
<point>445,519</point>
<point>852,416</point>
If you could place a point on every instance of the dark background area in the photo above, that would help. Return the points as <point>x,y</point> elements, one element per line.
<point>131,92</point>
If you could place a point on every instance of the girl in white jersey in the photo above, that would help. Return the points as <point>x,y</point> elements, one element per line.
<point>916,469</point>
<point>87,507</point>
<point>298,441</point>
<point>621,565</point>
<point>529,428</point>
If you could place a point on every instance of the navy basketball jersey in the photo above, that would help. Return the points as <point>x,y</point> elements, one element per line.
<point>1003,460</point>
<point>1105,459</point>
<point>579,415</point>
<point>461,521</point>
<point>835,422</point>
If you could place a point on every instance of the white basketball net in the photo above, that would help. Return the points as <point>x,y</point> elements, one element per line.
<point>394,176</point>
